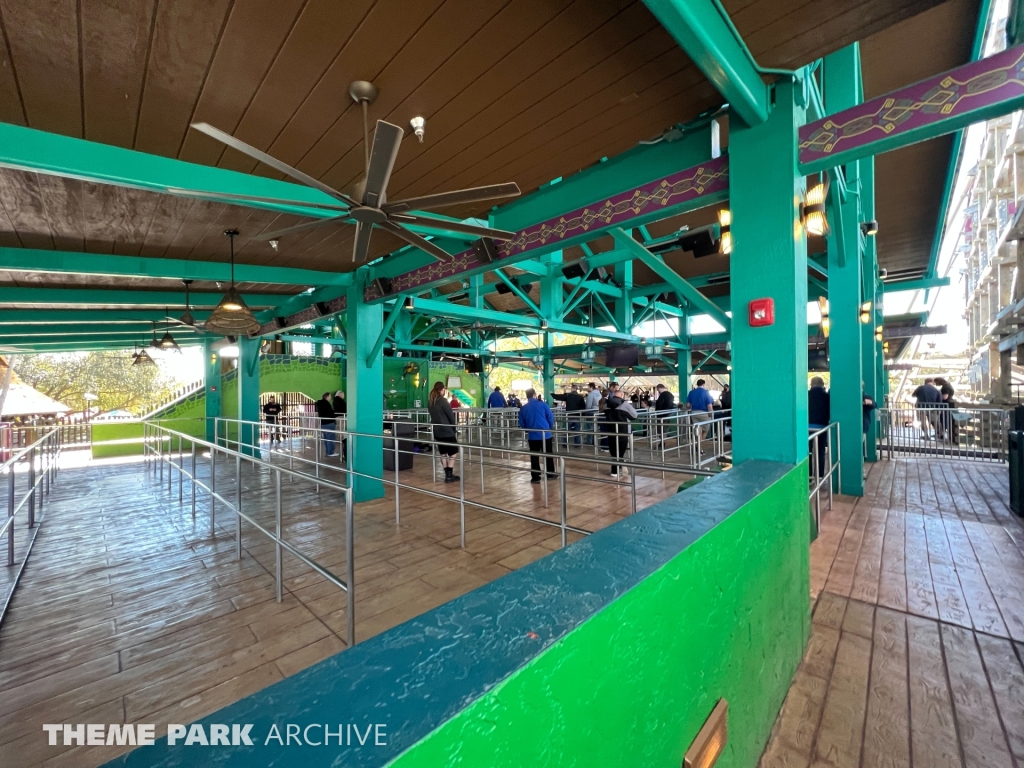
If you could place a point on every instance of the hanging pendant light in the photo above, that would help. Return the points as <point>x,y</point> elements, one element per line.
<point>232,317</point>
<point>154,343</point>
<point>141,357</point>
<point>167,341</point>
<point>187,318</point>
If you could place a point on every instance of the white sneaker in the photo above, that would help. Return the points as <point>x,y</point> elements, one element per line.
<point>613,474</point>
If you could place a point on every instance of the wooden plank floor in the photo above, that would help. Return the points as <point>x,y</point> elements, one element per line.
<point>130,612</point>
<point>917,639</point>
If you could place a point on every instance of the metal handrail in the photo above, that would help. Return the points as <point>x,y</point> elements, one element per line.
<point>965,433</point>
<point>471,449</point>
<point>45,451</point>
<point>156,435</point>
<point>819,479</point>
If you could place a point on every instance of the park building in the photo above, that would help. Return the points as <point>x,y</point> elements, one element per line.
<point>532,401</point>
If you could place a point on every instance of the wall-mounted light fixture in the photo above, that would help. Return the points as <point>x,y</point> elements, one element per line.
<point>813,209</point>
<point>878,333</point>
<point>711,739</point>
<point>869,227</point>
<point>865,312</point>
<point>725,227</point>
<point>826,323</point>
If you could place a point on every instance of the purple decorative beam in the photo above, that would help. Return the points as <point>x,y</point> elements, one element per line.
<point>685,190</point>
<point>934,107</point>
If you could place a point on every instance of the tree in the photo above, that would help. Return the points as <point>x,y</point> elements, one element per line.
<point>111,376</point>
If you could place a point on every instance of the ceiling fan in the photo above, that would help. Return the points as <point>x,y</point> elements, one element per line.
<point>367,206</point>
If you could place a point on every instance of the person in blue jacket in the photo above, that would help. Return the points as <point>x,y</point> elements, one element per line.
<point>536,418</point>
<point>496,400</point>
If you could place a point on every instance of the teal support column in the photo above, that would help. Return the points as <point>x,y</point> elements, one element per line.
<point>843,90</point>
<point>365,381</point>
<point>871,350</point>
<point>211,369</point>
<point>249,395</point>
<point>683,373</point>
<point>769,261</point>
<point>624,306</point>
<point>550,304</point>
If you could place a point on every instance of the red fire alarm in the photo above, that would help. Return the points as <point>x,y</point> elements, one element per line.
<point>762,312</point>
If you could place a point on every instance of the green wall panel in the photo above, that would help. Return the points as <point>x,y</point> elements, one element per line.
<point>728,617</point>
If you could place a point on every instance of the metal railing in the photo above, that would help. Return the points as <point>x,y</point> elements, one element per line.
<point>969,434</point>
<point>825,463</point>
<point>162,444</point>
<point>311,461</point>
<point>40,460</point>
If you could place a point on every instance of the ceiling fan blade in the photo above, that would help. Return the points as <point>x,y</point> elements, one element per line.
<point>263,157</point>
<point>277,234</point>
<point>413,239</point>
<point>441,225</point>
<point>386,141</point>
<point>458,197</point>
<point>361,245</point>
<point>227,197</point>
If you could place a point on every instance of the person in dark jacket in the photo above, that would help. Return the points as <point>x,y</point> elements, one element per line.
<point>948,403</point>
<point>575,404</point>
<point>445,434</point>
<point>325,412</point>
<point>819,414</point>
<point>272,414</point>
<point>618,424</point>
<point>929,400</point>
<point>664,408</point>
<point>536,418</point>
<point>726,400</point>
<point>341,413</point>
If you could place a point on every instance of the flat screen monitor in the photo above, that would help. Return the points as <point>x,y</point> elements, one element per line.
<point>474,365</point>
<point>622,355</point>
<point>817,360</point>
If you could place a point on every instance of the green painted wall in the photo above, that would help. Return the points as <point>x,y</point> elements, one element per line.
<point>471,392</point>
<point>728,617</point>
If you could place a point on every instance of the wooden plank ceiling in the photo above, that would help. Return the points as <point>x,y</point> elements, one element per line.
<point>512,90</point>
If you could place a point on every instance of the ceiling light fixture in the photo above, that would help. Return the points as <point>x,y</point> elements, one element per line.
<point>869,227</point>
<point>813,209</point>
<point>168,342</point>
<point>187,318</point>
<point>725,227</point>
<point>419,127</point>
<point>232,317</point>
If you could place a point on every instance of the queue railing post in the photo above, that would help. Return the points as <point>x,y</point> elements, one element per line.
<point>181,473</point>
<point>561,493</point>
<point>238,507</point>
<point>462,496</point>
<point>213,487</point>
<point>32,488</point>
<point>194,480</point>
<point>350,568</point>
<point>10,514</point>
<point>394,436</point>
<point>277,544</point>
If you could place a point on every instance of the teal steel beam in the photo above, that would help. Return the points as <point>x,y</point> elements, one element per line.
<point>74,263</point>
<point>984,89</point>
<point>11,332</point>
<point>520,294</point>
<point>980,26</point>
<point>111,317</point>
<point>921,284</point>
<point>105,297</point>
<point>389,323</point>
<point>433,308</point>
<point>704,30</point>
<point>27,149</point>
<point>699,301</point>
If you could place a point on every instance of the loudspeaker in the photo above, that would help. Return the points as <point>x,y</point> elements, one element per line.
<point>485,250</point>
<point>576,269</point>
<point>383,285</point>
